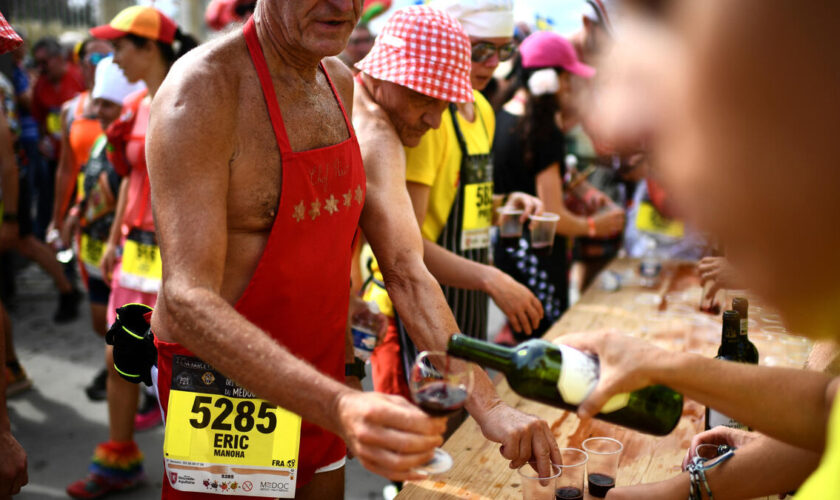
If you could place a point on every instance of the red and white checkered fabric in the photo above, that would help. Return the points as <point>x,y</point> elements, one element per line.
<point>9,40</point>
<point>425,50</point>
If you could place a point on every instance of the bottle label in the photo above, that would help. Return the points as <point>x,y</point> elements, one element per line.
<point>744,324</point>
<point>364,341</point>
<point>717,418</point>
<point>579,377</point>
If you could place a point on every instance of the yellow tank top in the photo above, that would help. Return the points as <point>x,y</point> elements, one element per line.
<point>824,483</point>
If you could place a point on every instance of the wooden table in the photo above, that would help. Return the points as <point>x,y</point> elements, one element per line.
<point>480,472</point>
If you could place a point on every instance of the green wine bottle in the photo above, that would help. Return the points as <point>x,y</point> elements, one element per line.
<point>733,347</point>
<point>563,377</point>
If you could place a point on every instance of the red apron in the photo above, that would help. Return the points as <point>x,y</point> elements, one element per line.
<point>299,291</point>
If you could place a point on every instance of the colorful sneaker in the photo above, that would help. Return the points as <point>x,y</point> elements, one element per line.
<point>116,467</point>
<point>16,379</point>
<point>148,414</point>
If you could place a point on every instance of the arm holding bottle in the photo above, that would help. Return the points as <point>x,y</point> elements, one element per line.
<point>797,414</point>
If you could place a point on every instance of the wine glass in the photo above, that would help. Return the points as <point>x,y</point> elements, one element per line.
<point>440,386</point>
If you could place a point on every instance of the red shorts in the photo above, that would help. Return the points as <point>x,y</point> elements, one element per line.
<point>318,448</point>
<point>386,361</point>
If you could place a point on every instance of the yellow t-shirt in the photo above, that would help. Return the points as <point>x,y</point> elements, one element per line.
<point>824,483</point>
<point>436,161</point>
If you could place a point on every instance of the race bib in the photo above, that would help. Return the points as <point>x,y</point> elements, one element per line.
<point>53,123</point>
<point>222,439</point>
<point>649,219</point>
<point>91,250</point>
<point>141,265</point>
<point>478,215</point>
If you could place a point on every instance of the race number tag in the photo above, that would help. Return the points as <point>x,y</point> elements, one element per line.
<point>222,439</point>
<point>649,219</point>
<point>141,265</point>
<point>53,123</point>
<point>478,215</point>
<point>91,250</point>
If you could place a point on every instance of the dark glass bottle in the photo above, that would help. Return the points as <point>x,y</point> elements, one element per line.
<point>733,347</point>
<point>741,305</point>
<point>562,376</point>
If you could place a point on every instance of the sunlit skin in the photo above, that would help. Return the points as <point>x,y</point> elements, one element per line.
<point>411,113</point>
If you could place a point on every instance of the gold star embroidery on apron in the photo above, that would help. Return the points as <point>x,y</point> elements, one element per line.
<point>331,205</point>
<point>315,209</point>
<point>300,212</point>
<point>348,197</point>
<point>359,194</point>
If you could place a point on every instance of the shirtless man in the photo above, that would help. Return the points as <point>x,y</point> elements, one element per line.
<point>255,228</point>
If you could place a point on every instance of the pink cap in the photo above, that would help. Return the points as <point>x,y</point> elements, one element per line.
<point>423,49</point>
<point>545,49</point>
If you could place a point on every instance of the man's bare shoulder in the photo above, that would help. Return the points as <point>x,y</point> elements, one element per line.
<point>369,119</point>
<point>342,78</point>
<point>207,77</point>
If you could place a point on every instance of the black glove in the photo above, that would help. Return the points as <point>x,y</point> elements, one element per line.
<point>134,344</point>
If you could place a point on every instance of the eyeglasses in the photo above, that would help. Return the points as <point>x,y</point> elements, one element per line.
<point>482,51</point>
<point>95,58</point>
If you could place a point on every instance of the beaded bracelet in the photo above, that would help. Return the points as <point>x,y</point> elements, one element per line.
<point>697,473</point>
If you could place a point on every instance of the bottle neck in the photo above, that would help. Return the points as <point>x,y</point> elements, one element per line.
<point>486,354</point>
<point>743,332</point>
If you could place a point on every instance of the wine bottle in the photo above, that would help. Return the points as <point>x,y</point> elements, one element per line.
<point>563,377</point>
<point>741,305</point>
<point>733,347</point>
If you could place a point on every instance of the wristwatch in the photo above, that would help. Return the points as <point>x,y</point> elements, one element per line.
<point>9,217</point>
<point>355,369</point>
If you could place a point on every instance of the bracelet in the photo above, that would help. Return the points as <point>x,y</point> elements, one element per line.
<point>590,222</point>
<point>697,474</point>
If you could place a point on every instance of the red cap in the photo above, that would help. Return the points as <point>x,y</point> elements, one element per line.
<point>545,49</point>
<point>423,49</point>
<point>147,22</point>
<point>9,40</point>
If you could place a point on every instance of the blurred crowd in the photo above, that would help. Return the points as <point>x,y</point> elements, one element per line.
<point>521,125</point>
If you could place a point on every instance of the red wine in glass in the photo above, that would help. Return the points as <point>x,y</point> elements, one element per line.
<point>440,399</point>
<point>600,484</point>
<point>568,493</point>
<point>542,249</point>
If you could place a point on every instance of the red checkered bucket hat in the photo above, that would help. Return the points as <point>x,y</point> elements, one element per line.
<point>425,50</point>
<point>9,40</point>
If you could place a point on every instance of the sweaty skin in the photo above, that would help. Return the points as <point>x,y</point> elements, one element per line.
<point>390,226</point>
<point>215,172</point>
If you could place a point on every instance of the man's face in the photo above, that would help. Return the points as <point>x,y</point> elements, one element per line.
<point>360,43</point>
<point>106,111</point>
<point>745,149</point>
<point>319,27</point>
<point>95,50</point>
<point>50,66</point>
<point>411,113</point>
<point>482,72</point>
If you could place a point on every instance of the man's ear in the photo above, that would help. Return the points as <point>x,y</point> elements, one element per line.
<point>587,23</point>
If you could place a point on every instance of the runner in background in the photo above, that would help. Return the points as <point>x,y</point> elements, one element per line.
<point>529,156</point>
<point>89,220</point>
<point>13,473</point>
<point>449,177</point>
<point>59,81</point>
<point>144,40</point>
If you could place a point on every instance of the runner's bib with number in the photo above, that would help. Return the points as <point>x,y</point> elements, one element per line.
<point>222,439</point>
<point>90,250</point>
<point>141,265</point>
<point>649,219</point>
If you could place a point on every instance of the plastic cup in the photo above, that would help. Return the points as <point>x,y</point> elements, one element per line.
<point>543,228</point>
<point>536,487</point>
<point>602,468</point>
<point>510,225</point>
<point>570,484</point>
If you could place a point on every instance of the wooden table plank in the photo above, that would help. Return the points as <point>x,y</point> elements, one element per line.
<point>480,472</point>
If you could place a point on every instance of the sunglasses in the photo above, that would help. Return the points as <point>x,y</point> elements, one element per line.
<point>482,51</point>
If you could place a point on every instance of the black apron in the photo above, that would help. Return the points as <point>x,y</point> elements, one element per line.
<point>463,235</point>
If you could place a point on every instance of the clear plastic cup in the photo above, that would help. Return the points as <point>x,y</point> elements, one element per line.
<point>543,228</point>
<point>510,225</point>
<point>602,469</point>
<point>570,484</point>
<point>536,487</point>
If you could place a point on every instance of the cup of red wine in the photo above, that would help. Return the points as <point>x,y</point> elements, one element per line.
<point>543,228</point>
<point>440,386</point>
<point>602,469</point>
<point>510,226</point>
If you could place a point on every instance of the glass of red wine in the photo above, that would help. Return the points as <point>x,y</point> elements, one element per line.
<point>440,386</point>
<point>569,485</point>
<point>602,469</point>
